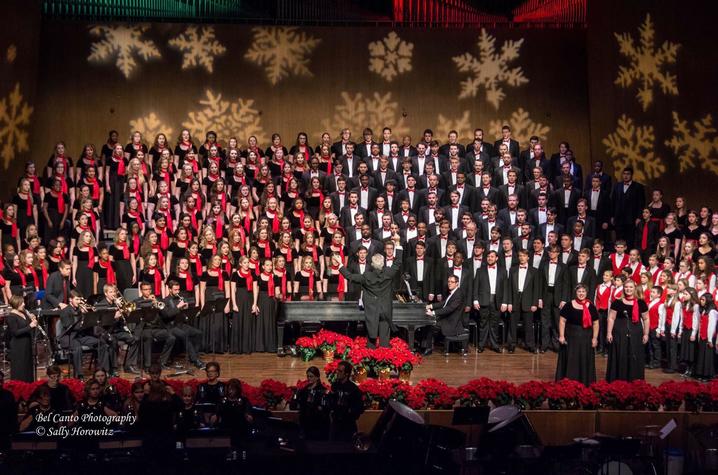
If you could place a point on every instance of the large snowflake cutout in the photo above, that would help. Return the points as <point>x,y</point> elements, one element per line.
<point>490,69</point>
<point>522,127</point>
<point>124,42</point>
<point>647,63</point>
<point>375,111</point>
<point>149,126</point>
<point>281,50</point>
<point>462,126</point>
<point>390,56</point>
<point>14,117</point>
<point>632,145</point>
<point>200,48</point>
<point>696,146</point>
<point>229,119</point>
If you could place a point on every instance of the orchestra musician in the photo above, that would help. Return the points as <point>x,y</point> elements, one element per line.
<point>154,330</point>
<point>71,318</point>
<point>119,333</point>
<point>175,304</point>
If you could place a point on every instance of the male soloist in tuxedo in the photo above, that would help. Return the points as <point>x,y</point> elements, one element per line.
<point>521,301</point>
<point>488,293</point>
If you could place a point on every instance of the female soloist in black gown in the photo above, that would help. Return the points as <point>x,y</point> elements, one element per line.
<point>266,326</point>
<point>576,358</point>
<point>626,355</point>
<point>214,326</point>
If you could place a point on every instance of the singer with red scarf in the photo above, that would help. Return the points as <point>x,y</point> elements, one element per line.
<point>578,336</point>
<point>627,335</point>
<point>123,257</point>
<point>104,270</point>
<point>115,186</point>
<point>264,306</point>
<point>84,257</point>
<point>9,232</point>
<point>55,210</point>
<point>25,202</point>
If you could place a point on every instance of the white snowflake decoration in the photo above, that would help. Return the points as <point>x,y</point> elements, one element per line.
<point>282,51</point>
<point>697,146</point>
<point>646,63</point>
<point>375,111</point>
<point>149,126</point>
<point>522,127</point>
<point>228,119</point>
<point>461,125</point>
<point>390,56</point>
<point>199,48</point>
<point>490,69</point>
<point>14,118</point>
<point>124,42</point>
<point>632,145</point>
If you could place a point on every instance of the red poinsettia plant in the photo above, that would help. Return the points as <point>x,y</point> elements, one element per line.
<point>274,392</point>
<point>530,395</point>
<point>481,391</point>
<point>307,348</point>
<point>569,394</point>
<point>438,394</point>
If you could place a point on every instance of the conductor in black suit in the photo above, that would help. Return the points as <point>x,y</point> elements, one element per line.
<point>449,314</point>
<point>377,287</point>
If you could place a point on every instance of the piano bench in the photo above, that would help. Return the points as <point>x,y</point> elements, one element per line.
<point>473,328</point>
<point>462,339</point>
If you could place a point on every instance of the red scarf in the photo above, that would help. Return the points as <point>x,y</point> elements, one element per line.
<point>193,216</point>
<point>107,265</point>
<point>256,266</point>
<point>635,313</point>
<point>267,248</point>
<point>35,183</point>
<point>270,283</point>
<point>197,263</point>
<point>321,196</point>
<point>220,278</point>
<point>157,249</point>
<point>166,176</point>
<point>13,230</point>
<point>247,222</point>
<point>218,226</point>
<point>227,265</point>
<point>93,220</point>
<point>28,204</point>
<point>125,250</point>
<point>275,223</point>
<point>168,217</point>
<point>136,244</point>
<point>164,239</point>
<point>247,280</point>
<point>137,217</point>
<point>283,285</point>
<point>158,278</point>
<point>301,215</point>
<point>189,282</point>
<point>586,321</point>
<point>198,199</point>
<point>43,268</point>
<point>60,202</point>
<point>23,277</point>
<point>314,252</point>
<point>288,254</point>
<point>95,187</point>
<point>120,164</point>
<point>311,284</point>
<point>90,257</point>
<point>195,166</point>
<point>341,251</point>
<point>340,285</point>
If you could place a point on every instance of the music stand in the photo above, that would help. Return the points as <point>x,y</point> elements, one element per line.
<point>471,416</point>
<point>216,305</point>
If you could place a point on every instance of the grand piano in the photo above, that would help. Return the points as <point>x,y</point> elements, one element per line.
<point>408,316</point>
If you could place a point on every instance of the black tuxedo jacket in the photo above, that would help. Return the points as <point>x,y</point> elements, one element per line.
<point>482,287</point>
<point>350,171</point>
<point>450,313</point>
<point>588,279</point>
<point>401,180</point>
<point>599,268</point>
<point>498,178</point>
<point>444,149</point>
<point>531,292</point>
<point>428,277</point>
<point>494,195</point>
<point>375,247</point>
<point>336,201</point>
<point>407,152</point>
<point>605,182</point>
<point>563,212</point>
<point>345,216</point>
<point>413,205</point>
<point>558,291</point>
<point>372,194</point>
<point>362,150</point>
<point>589,225</point>
<point>486,148</point>
<point>518,190</point>
<point>653,235</point>
<point>338,149</point>
<point>513,147</point>
<point>627,207</point>
<point>381,184</point>
<point>602,213</point>
<point>556,227</point>
<point>528,165</point>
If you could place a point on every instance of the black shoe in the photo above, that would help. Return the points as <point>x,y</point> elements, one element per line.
<point>479,350</point>
<point>496,349</point>
<point>132,369</point>
<point>542,351</point>
<point>464,354</point>
<point>512,349</point>
<point>427,351</point>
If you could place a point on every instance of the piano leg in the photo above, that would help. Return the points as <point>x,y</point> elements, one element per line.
<point>410,331</point>
<point>280,335</point>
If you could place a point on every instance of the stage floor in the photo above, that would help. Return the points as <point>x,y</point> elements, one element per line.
<point>454,370</point>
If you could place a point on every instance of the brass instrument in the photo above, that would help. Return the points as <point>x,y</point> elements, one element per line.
<point>124,306</point>
<point>158,304</point>
<point>85,307</point>
<point>33,318</point>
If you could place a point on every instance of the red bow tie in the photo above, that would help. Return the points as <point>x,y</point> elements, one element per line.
<point>582,266</point>
<point>542,209</point>
<point>457,268</point>
<point>523,267</point>
<point>492,267</point>
<point>419,258</point>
